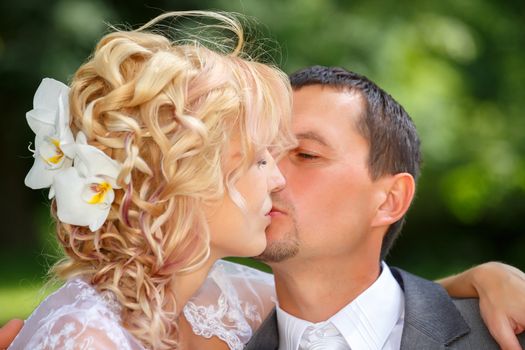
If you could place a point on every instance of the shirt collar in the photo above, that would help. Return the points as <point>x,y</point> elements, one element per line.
<point>365,323</point>
<point>290,328</point>
<point>368,321</point>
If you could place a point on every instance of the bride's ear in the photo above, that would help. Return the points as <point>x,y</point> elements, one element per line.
<point>397,194</point>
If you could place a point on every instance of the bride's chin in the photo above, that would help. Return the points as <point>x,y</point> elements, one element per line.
<point>260,246</point>
<point>253,245</point>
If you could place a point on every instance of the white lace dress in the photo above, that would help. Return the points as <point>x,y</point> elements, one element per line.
<point>231,304</point>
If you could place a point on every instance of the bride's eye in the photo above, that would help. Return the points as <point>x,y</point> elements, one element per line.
<point>263,157</point>
<point>262,162</point>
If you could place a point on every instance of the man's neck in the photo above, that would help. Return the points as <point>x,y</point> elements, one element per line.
<point>315,290</point>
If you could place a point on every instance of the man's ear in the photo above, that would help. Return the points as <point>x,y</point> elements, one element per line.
<point>397,194</point>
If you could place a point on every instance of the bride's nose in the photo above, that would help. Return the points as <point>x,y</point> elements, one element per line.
<point>276,181</point>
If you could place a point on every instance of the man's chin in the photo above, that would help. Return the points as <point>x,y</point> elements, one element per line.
<point>279,250</point>
<point>277,231</point>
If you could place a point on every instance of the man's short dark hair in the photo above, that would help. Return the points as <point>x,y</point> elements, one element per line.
<point>389,130</point>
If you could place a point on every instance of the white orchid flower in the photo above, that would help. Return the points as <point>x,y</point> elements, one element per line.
<point>49,120</point>
<point>80,175</point>
<point>84,193</point>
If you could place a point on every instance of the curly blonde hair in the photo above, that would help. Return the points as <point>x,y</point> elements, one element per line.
<point>165,110</point>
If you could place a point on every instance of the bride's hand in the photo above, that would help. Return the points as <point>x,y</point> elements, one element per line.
<point>9,332</point>
<point>501,292</point>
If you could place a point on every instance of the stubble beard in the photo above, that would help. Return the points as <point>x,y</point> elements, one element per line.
<point>288,245</point>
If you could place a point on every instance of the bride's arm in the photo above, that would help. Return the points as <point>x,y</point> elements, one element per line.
<point>501,292</point>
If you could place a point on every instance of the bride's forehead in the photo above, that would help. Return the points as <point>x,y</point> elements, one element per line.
<point>238,150</point>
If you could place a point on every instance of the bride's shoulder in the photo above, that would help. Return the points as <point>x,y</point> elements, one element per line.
<point>238,283</point>
<point>75,316</point>
<point>232,303</point>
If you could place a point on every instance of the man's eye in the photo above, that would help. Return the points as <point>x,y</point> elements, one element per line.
<point>306,155</point>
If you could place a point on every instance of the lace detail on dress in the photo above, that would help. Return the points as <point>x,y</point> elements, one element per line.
<point>76,317</point>
<point>231,304</point>
<point>208,321</point>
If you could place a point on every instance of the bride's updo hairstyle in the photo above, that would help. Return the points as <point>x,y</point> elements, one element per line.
<point>166,109</point>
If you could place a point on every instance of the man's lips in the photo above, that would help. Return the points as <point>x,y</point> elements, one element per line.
<point>276,212</point>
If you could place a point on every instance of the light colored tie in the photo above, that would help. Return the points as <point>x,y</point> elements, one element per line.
<point>321,337</point>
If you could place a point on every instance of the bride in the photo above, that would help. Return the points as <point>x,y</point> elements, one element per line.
<point>157,158</point>
<point>158,162</point>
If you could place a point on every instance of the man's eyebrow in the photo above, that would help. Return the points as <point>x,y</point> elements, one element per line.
<point>312,136</point>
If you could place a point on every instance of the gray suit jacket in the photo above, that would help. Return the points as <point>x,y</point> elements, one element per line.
<point>432,320</point>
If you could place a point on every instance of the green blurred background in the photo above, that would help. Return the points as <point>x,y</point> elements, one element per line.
<point>457,67</point>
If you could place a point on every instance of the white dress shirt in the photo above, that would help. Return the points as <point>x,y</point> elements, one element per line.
<point>372,321</point>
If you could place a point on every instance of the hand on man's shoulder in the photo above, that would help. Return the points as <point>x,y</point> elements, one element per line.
<point>479,336</point>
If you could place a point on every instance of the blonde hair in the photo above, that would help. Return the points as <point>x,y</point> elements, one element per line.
<point>166,111</point>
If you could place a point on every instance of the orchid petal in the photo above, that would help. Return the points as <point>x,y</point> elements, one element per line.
<point>39,121</point>
<point>62,121</point>
<point>81,167</point>
<point>51,153</point>
<point>69,149</point>
<point>97,163</point>
<point>39,140</point>
<point>99,192</point>
<point>81,138</point>
<point>39,175</point>
<point>99,221</point>
<point>51,193</point>
<point>71,207</point>
<point>50,98</point>
<point>48,93</point>
<point>66,137</point>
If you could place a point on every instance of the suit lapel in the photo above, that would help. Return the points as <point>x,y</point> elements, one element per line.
<point>432,321</point>
<point>267,336</point>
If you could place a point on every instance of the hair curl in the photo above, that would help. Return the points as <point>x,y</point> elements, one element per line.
<point>166,111</point>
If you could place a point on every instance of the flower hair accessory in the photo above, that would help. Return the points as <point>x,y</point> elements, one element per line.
<point>80,176</point>
<point>49,120</point>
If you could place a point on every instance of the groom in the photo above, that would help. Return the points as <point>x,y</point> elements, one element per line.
<point>350,183</point>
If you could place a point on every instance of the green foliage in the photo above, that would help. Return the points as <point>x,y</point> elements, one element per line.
<point>20,301</point>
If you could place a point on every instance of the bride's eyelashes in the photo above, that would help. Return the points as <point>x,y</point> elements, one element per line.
<point>263,158</point>
<point>262,162</point>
